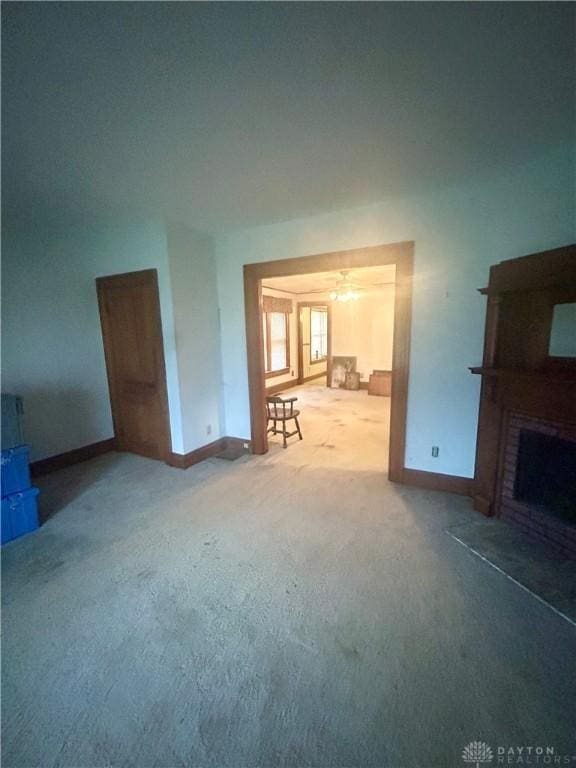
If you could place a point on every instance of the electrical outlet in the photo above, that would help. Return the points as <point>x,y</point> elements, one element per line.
<point>209,429</point>
<point>435,451</point>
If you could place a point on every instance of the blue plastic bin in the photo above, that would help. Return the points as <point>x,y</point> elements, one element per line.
<point>19,514</point>
<point>15,470</point>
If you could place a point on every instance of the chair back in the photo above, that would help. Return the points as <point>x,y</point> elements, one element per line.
<point>278,408</point>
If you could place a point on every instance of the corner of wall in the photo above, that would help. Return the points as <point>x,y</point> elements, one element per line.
<point>193,279</point>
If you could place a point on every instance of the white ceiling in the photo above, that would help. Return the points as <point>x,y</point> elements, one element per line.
<point>227,115</point>
<point>370,278</point>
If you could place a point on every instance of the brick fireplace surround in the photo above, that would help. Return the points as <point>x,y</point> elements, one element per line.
<point>545,526</point>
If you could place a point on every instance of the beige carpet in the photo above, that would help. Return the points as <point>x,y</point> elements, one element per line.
<point>293,609</point>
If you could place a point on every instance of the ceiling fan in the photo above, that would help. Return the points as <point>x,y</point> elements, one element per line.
<point>345,289</point>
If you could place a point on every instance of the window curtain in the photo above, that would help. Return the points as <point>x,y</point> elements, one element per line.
<point>274,304</point>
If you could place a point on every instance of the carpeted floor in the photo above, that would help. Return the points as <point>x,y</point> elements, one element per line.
<point>293,609</point>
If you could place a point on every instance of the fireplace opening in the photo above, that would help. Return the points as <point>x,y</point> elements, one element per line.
<point>546,474</point>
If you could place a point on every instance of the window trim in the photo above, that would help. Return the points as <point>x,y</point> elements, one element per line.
<point>301,339</point>
<point>324,358</point>
<point>268,346</point>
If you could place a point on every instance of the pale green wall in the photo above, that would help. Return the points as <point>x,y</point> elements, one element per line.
<point>197,334</point>
<point>52,348</point>
<point>52,351</point>
<point>458,232</point>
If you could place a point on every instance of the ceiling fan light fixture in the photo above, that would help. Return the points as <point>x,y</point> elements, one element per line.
<point>345,290</point>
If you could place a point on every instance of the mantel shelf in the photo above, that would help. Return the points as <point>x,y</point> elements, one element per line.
<point>565,377</point>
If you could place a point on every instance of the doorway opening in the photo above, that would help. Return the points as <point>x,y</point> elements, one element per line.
<point>309,311</point>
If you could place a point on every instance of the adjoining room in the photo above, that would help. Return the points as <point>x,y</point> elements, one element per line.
<point>328,340</point>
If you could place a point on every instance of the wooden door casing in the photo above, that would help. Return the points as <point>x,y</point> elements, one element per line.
<point>134,350</point>
<point>399,254</point>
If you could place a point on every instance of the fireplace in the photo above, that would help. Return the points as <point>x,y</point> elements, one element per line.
<point>526,450</point>
<point>538,480</point>
<point>546,474</point>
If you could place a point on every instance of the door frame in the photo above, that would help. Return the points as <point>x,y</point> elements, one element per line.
<point>299,305</point>
<point>149,276</point>
<point>402,256</point>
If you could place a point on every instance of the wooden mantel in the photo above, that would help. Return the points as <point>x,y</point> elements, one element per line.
<point>550,376</point>
<point>517,373</point>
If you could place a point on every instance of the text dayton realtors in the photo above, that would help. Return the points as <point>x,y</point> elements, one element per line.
<point>532,756</point>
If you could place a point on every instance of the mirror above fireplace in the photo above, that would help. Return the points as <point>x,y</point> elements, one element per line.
<point>563,331</point>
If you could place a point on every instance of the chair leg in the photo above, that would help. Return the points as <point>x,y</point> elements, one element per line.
<point>298,428</point>
<point>284,429</point>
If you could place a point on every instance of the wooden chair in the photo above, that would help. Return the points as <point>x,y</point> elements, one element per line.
<point>282,410</point>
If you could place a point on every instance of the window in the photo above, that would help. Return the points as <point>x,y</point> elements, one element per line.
<point>318,334</point>
<point>276,342</point>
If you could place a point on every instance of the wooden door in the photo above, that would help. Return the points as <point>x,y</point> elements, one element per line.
<point>132,333</point>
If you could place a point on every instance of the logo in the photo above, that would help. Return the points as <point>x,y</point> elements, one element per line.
<point>477,752</point>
